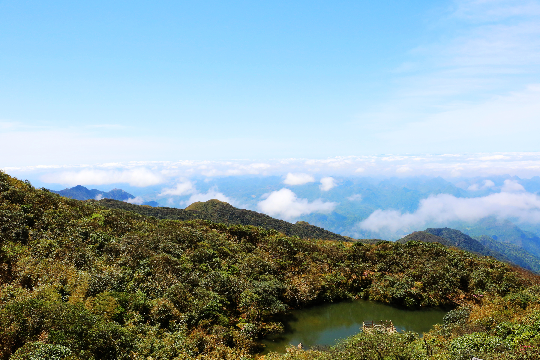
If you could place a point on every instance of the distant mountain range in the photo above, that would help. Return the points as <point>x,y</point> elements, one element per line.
<point>82,193</point>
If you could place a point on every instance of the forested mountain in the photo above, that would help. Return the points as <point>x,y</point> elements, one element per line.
<point>222,212</point>
<point>461,240</point>
<point>82,281</point>
<point>455,238</point>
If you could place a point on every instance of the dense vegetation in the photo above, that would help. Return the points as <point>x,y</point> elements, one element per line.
<point>222,212</point>
<point>81,281</point>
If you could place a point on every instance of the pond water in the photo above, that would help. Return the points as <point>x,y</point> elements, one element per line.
<point>328,323</point>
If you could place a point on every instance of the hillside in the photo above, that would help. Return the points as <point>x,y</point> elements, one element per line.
<point>222,212</point>
<point>513,253</point>
<point>483,245</point>
<point>425,237</point>
<point>80,281</point>
<point>455,238</point>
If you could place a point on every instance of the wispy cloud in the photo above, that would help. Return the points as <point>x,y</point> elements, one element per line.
<point>286,205</point>
<point>355,197</point>
<point>136,200</point>
<point>476,83</point>
<point>492,10</point>
<point>8,125</point>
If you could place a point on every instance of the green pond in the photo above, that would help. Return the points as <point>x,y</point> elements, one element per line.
<point>327,324</point>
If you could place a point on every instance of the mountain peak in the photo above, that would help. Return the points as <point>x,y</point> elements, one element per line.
<point>202,205</point>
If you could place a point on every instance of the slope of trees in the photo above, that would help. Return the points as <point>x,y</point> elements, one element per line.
<point>80,281</point>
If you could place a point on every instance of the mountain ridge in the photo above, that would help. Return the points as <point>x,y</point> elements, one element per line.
<point>483,245</point>
<point>222,212</point>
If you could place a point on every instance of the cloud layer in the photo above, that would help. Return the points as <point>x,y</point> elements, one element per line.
<point>296,171</point>
<point>327,183</point>
<point>511,203</point>
<point>285,204</point>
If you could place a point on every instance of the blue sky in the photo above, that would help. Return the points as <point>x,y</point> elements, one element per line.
<point>99,82</point>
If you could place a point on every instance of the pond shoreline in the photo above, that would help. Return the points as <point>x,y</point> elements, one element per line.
<point>325,324</point>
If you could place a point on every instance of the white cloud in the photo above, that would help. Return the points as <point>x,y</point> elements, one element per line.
<point>298,179</point>
<point>99,197</point>
<point>139,177</point>
<point>327,183</point>
<point>136,200</point>
<point>511,203</point>
<point>285,204</point>
<point>182,188</point>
